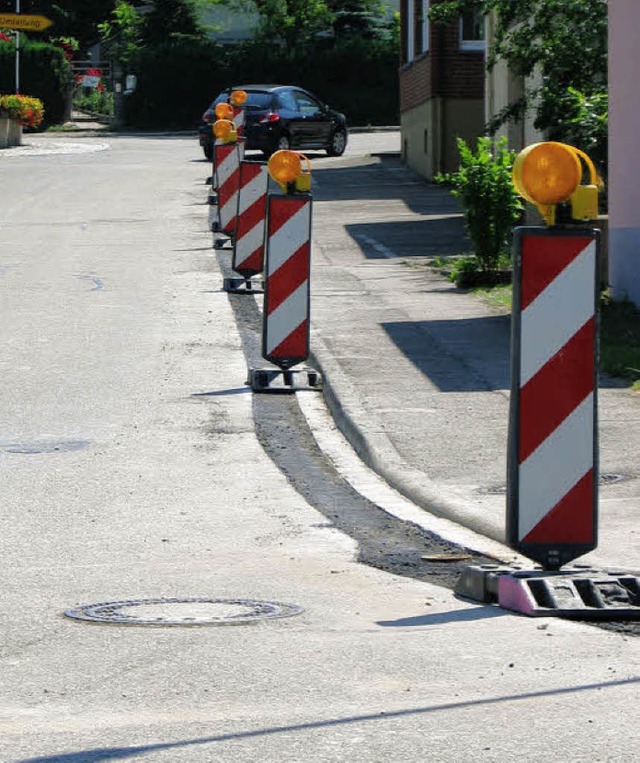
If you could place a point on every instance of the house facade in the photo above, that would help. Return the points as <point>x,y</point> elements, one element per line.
<point>442,86</point>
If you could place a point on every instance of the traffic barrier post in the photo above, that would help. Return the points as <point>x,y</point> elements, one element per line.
<point>248,252</point>
<point>552,452</point>
<point>285,329</point>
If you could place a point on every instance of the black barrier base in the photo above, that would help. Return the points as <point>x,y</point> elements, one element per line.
<point>223,243</point>
<point>291,380</point>
<point>578,593</point>
<point>212,199</point>
<point>243,286</point>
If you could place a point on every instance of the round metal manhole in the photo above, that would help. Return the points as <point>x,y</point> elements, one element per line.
<point>179,611</point>
<point>603,479</point>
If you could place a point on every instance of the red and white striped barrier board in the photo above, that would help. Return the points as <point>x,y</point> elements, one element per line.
<point>248,254</point>
<point>552,454</point>
<point>238,120</point>
<point>228,157</point>
<point>285,334</point>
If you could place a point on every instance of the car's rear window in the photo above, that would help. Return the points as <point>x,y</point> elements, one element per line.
<point>255,99</point>
<point>259,100</point>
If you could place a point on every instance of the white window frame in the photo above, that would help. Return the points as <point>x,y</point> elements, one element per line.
<point>412,52</point>
<point>425,26</point>
<point>479,45</point>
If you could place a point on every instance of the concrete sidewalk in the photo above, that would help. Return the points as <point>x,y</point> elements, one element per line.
<point>417,372</point>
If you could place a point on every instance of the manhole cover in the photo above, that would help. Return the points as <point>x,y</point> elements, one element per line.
<point>603,479</point>
<point>183,611</point>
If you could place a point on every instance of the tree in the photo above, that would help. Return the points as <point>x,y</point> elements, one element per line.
<point>292,24</point>
<point>362,18</point>
<point>168,19</point>
<point>565,41</point>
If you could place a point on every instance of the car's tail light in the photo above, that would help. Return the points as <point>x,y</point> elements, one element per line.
<point>270,117</point>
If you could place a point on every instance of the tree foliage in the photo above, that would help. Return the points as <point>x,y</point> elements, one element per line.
<point>562,41</point>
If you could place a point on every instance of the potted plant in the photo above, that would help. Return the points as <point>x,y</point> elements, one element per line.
<point>18,111</point>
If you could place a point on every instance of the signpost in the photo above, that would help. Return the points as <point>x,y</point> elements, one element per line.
<point>27,23</point>
<point>24,22</point>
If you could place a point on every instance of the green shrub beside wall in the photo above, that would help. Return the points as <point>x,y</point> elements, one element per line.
<point>44,74</point>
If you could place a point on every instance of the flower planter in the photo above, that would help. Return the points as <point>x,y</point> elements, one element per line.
<point>10,133</point>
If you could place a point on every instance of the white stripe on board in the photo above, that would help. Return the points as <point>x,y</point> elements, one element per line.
<point>555,466</point>
<point>287,317</point>
<point>227,167</point>
<point>253,190</point>
<point>228,211</point>
<point>556,314</point>
<point>246,245</point>
<point>289,238</point>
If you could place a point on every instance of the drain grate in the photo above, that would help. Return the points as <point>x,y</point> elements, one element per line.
<point>183,611</point>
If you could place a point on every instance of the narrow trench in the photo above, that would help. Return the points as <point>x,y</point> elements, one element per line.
<point>384,541</point>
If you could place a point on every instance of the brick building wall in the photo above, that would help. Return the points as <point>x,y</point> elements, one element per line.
<point>441,93</point>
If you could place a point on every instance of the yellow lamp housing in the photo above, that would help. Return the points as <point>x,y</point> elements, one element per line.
<point>238,98</point>
<point>550,173</point>
<point>225,131</point>
<point>223,111</point>
<point>285,167</point>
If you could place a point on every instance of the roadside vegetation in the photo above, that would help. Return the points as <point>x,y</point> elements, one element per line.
<point>345,52</point>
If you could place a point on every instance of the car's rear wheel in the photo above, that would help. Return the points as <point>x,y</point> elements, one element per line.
<point>282,144</point>
<point>338,143</point>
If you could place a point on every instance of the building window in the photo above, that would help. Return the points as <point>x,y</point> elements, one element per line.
<point>421,23</point>
<point>415,37</point>
<point>472,30</point>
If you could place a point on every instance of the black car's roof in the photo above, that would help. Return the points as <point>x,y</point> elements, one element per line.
<point>265,88</point>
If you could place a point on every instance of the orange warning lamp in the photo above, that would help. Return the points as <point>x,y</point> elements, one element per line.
<point>550,173</point>
<point>223,111</point>
<point>238,98</point>
<point>285,167</point>
<point>225,131</point>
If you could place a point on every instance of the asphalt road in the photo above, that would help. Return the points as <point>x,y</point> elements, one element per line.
<point>131,469</point>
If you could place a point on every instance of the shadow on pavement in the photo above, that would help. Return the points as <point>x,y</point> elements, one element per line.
<point>120,753</point>
<point>430,237</point>
<point>465,355</point>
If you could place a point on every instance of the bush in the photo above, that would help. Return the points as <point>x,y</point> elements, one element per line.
<point>491,205</point>
<point>44,73</point>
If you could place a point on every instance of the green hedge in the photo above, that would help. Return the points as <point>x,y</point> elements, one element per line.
<point>177,81</point>
<point>44,74</point>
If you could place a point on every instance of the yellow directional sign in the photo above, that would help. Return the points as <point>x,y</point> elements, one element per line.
<point>23,22</point>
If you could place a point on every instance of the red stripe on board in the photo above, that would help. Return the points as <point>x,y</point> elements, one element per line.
<point>544,258</point>
<point>252,263</point>
<point>282,209</point>
<point>287,278</point>
<point>557,389</point>
<point>249,171</point>
<point>252,215</point>
<point>295,345</point>
<point>570,520</point>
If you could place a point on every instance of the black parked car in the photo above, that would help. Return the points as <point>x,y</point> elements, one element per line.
<point>282,116</point>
